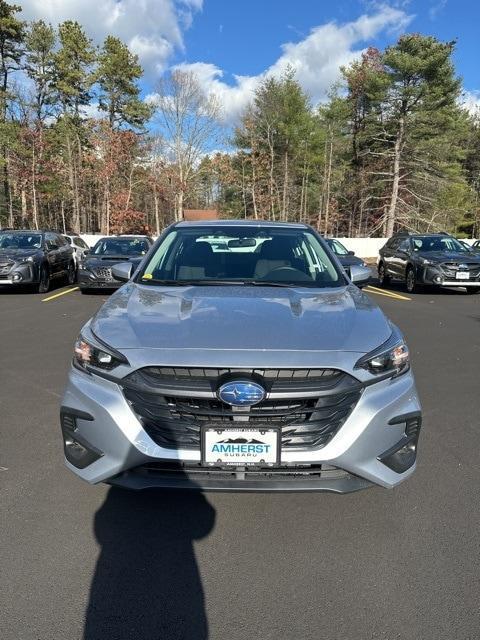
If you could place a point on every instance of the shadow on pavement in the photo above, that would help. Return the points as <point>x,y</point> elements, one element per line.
<point>146,584</point>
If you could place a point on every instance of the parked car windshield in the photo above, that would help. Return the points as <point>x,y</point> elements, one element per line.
<point>242,255</point>
<point>121,247</point>
<point>337,247</point>
<point>436,243</point>
<point>20,241</point>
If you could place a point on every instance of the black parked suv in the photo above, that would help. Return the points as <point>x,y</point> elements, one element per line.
<point>435,259</point>
<point>95,269</point>
<point>35,258</point>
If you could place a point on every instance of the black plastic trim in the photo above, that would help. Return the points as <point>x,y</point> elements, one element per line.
<point>83,415</point>
<point>404,417</point>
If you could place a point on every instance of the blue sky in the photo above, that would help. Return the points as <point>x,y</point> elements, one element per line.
<point>232,44</point>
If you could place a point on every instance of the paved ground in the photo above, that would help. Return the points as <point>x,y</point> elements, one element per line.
<point>91,563</point>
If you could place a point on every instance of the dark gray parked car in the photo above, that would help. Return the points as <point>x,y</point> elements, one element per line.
<point>258,368</point>
<point>434,259</point>
<point>347,258</point>
<point>35,258</point>
<point>95,268</point>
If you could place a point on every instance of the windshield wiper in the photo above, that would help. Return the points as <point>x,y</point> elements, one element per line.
<point>229,283</point>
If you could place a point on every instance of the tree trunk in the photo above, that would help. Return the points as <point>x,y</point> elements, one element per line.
<point>284,215</point>
<point>23,197</point>
<point>72,182</point>
<point>254,187</point>
<point>397,156</point>
<point>157,210</point>
<point>327,186</point>
<point>34,192</point>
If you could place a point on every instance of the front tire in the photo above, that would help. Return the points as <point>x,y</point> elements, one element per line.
<point>44,284</point>
<point>383,277</point>
<point>410,281</point>
<point>71,273</point>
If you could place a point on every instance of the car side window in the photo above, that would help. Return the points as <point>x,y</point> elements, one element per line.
<point>51,241</point>
<point>78,242</point>
<point>404,246</point>
<point>393,243</point>
<point>60,240</point>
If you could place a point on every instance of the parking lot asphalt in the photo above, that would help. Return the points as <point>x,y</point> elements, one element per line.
<point>94,563</point>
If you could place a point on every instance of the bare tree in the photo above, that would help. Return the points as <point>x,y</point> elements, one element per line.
<point>189,124</point>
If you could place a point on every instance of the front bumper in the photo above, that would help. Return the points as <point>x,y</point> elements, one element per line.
<point>20,273</point>
<point>436,276</point>
<point>88,280</point>
<point>122,453</point>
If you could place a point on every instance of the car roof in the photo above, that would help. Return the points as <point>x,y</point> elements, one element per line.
<point>240,223</point>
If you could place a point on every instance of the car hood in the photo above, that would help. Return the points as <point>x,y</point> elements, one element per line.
<point>241,318</point>
<point>108,261</point>
<point>447,256</point>
<point>350,261</point>
<point>15,254</point>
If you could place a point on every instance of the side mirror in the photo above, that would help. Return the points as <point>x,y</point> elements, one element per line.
<point>350,253</point>
<point>122,271</point>
<point>86,252</point>
<point>360,275</point>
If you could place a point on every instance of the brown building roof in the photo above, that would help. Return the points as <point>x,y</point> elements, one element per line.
<point>200,214</point>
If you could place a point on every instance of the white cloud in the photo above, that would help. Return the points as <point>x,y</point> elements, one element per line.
<point>470,100</point>
<point>152,28</point>
<point>316,59</point>
<point>436,9</point>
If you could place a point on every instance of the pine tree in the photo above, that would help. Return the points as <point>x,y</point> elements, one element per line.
<point>39,64</point>
<point>117,75</point>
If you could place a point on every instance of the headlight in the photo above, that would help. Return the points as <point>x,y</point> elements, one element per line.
<point>425,261</point>
<point>391,357</point>
<point>28,259</point>
<point>87,355</point>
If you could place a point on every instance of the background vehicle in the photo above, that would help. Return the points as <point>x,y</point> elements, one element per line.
<point>95,270</point>
<point>243,371</point>
<point>430,259</point>
<point>347,258</point>
<point>35,257</point>
<point>79,246</point>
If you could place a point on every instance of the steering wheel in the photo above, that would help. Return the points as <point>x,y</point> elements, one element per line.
<point>287,274</point>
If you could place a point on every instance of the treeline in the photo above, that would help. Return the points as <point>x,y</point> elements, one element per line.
<point>80,150</point>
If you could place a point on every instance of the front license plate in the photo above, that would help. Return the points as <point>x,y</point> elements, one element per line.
<point>240,446</point>
<point>462,275</point>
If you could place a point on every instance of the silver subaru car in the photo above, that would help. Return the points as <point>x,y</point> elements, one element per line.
<point>241,356</point>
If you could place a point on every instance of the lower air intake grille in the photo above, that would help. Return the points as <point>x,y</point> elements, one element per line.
<point>308,422</point>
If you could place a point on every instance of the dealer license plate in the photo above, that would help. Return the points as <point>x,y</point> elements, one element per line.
<point>462,275</point>
<point>240,446</point>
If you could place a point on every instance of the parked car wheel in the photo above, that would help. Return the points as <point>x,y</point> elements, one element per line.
<point>410,281</point>
<point>71,273</point>
<point>383,278</point>
<point>44,284</point>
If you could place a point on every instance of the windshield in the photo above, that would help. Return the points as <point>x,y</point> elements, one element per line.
<point>337,247</point>
<point>242,255</point>
<point>121,247</point>
<point>20,241</point>
<point>436,243</point>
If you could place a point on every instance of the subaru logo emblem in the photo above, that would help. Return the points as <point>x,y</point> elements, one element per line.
<point>241,393</point>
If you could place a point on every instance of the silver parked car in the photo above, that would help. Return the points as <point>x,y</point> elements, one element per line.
<point>257,367</point>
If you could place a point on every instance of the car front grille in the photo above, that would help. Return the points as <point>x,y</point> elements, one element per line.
<point>451,268</point>
<point>5,267</point>
<point>309,406</point>
<point>103,272</point>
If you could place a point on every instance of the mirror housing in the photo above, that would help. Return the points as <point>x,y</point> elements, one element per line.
<point>350,253</point>
<point>360,275</point>
<point>122,271</point>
